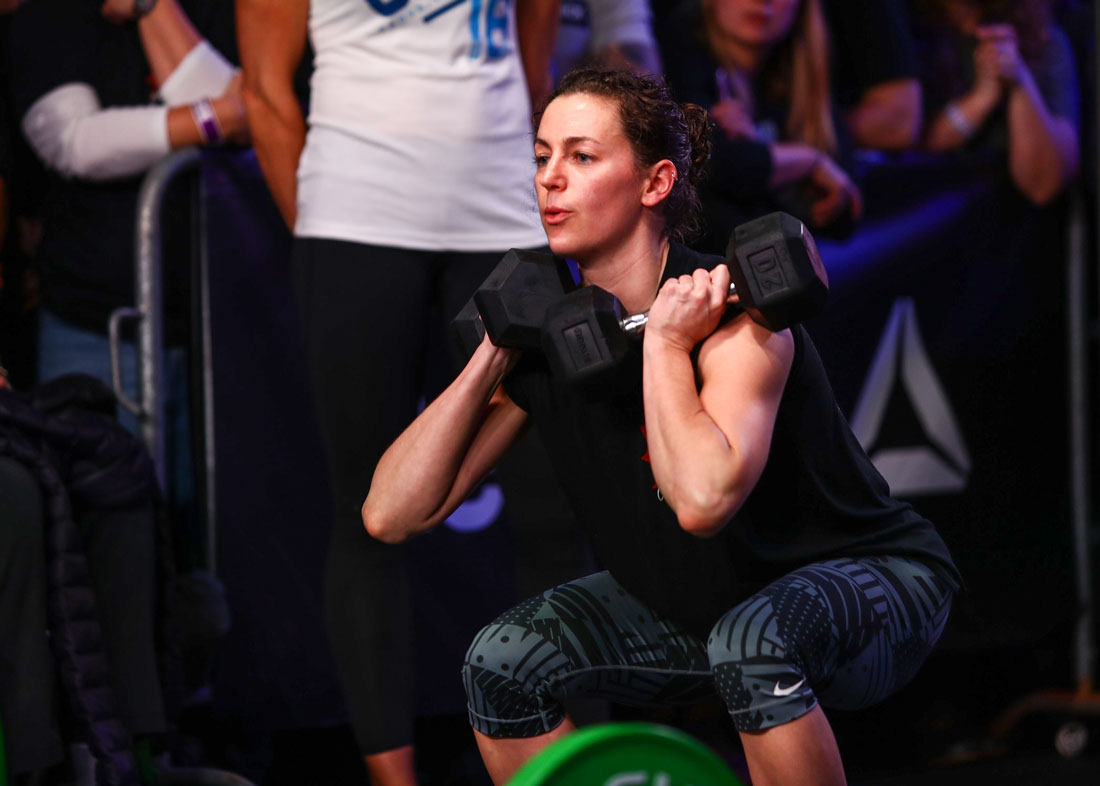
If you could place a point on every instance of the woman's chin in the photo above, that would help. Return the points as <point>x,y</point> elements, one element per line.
<point>561,247</point>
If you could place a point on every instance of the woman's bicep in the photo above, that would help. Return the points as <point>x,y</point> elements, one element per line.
<point>744,369</point>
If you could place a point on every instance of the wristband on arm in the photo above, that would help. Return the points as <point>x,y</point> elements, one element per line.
<point>958,121</point>
<point>202,111</point>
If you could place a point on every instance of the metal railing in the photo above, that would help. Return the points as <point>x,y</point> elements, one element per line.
<point>148,316</point>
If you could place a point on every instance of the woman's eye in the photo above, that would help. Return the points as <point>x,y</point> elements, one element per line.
<point>540,160</point>
<point>584,158</point>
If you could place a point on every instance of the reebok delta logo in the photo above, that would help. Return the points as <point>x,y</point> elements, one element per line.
<point>943,465</point>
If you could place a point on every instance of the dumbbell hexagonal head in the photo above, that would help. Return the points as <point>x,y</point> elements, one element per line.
<point>774,263</point>
<point>582,337</point>
<point>514,298</point>
<point>467,331</point>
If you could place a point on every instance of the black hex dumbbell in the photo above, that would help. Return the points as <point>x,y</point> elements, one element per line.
<point>510,305</point>
<point>775,269</point>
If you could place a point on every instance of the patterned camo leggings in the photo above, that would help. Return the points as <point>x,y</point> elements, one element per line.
<point>845,632</point>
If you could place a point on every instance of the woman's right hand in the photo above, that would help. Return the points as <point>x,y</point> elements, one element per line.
<point>1006,61</point>
<point>837,192</point>
<point>501,359</point>
<point>996,62</point>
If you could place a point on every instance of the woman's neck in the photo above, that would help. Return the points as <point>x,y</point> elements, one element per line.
<point>632,274</point>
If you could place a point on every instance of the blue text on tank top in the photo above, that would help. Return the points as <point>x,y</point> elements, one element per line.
<point>488,22</point>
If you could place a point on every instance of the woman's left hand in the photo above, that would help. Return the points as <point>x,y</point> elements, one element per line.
<point>689,308</point>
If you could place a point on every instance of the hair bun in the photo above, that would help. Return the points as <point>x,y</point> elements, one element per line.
<point>698,125</point>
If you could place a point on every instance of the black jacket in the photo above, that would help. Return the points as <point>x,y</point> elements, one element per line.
<point>81,457</point>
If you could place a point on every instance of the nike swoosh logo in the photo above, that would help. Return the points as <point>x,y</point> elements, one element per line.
<point>787,691</point>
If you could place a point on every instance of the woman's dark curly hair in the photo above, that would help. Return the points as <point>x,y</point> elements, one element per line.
<point>657,128</point>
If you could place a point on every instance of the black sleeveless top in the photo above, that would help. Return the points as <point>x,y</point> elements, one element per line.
<point>819,496</point>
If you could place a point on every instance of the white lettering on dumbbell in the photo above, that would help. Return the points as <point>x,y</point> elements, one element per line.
<point>580,347</point>
<point>766,271</point>
<point>628,779</point>
<point>638,779</point>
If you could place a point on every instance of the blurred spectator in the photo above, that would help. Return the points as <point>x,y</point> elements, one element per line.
<point>614,34</point>
<point>414,178</point>
<point>762,70</point>
<point>999,74</point>
<point>875,75</point>
<point>125,82</point>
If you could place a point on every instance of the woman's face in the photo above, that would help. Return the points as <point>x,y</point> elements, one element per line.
<point>755,23</point>
<point>588,183</point>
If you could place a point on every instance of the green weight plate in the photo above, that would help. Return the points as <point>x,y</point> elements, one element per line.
<point>626,754</point>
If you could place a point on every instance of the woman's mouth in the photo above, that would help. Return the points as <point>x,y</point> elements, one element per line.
<point>555,215</point>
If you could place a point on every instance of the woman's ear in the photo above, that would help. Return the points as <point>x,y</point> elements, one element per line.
<point>659,182</point>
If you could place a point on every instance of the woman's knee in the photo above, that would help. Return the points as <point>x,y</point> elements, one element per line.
<point>509,675</point>
<point>757,657</point>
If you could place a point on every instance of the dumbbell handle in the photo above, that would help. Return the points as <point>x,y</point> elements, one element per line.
<point>635,324</point>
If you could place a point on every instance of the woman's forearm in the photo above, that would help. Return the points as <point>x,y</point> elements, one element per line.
<point>443,454</point>
<point>1043,152</point>
<point>278,136</point>
<point>888,116</point>
<point>951,128</point>
<point>694,464</point>
<point>272,38</point>
<point>167,36</point>
<point>184,130</point>
<point>791,162</point>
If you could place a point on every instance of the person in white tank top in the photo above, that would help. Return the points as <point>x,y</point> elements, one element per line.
<point>413,178</point>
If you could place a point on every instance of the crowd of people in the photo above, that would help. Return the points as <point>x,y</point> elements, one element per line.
<point>404,176</point>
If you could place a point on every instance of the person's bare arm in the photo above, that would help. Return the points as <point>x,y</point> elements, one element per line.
<point>708,444</point>
<point>271,35</point>
<point>183,129</point>
<point>441,457</point>
<point>970,111</point>
<point>167,36</point>
<point>888,116</point>
<point>1043,150</point>
<point>537,32</point>
<point>836,192</point>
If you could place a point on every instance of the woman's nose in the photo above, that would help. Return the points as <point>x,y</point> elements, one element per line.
<point>550,175</point>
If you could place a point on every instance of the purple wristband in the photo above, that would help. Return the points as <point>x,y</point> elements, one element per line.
<point>206,121</point>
